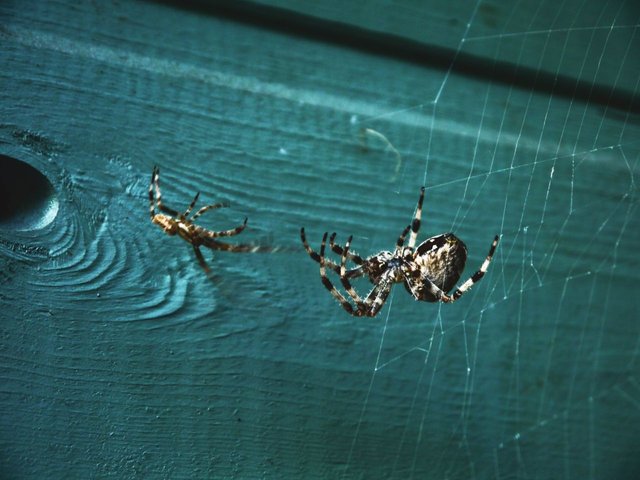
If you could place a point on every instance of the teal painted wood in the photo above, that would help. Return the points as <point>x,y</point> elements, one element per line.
<point>120,359</point>
<point>558,32</point>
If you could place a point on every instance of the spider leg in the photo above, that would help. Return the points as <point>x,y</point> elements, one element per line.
<point>152,210</point>
<point>200,258</point>
<point>314,255</point>
<point>374,301</point>
<point>345,281</point>
<point>327,283</point>
<point>208,207</point>
<point>354,273</point>
<point>237,248</point>
<point>381,291</point>
<point>400,242</point>
<point>355,258</point>
<point>225,233</point>
<point>156,181</point>
<point>476,277</point>
<point>415,224</point>
<point>375,298</point>
<point>188,210</point>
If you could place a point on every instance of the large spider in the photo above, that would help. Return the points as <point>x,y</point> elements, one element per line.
<point>428,271</point>
<point>180,224</point>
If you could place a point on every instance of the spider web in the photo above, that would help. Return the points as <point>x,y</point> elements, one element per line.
<point>533,373</point>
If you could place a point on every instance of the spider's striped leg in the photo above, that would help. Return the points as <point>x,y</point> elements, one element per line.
<point>155,179</point>
<point>208,207</point>
<point>374,301</point>
<point>360,303</point>
<point>225,233</point>
<point>327,283</point>
<point>415,224</point>
<point>476,277</point>
<point>314,255</point>
<point>376,298</point>
<point>237,248</point>
<point>152,210</point>
<point>188,210</point>
<point>400,242</point>
<point>355,258</point>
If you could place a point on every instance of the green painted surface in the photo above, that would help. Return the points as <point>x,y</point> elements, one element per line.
<point>120,359</point>
<point>548,36</point>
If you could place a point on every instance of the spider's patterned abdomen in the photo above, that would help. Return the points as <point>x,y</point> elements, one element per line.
<point>441,259</point>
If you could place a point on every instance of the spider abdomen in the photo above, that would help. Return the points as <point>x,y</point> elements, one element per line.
<point>440,259</point>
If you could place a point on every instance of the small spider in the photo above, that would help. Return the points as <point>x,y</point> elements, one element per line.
<point>428,271</point>
<point>180,223</point>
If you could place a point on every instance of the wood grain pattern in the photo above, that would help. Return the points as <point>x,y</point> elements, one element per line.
<point>489,39</point>
<point>120,359</point>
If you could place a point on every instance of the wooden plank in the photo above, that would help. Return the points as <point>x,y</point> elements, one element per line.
<point>120,358</point>
<point>591,43</point>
